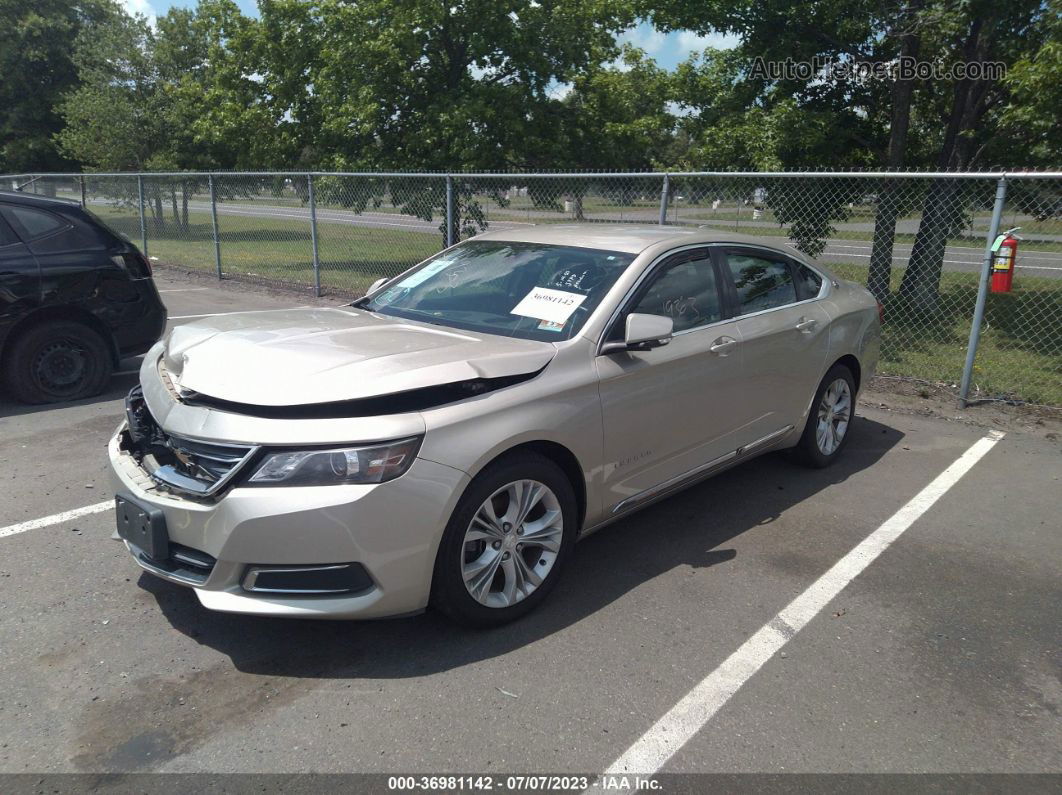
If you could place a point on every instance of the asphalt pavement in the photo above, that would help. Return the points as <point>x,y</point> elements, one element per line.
<point>941,654</point>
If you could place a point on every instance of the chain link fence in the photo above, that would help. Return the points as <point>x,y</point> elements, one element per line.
<point>918,241</point>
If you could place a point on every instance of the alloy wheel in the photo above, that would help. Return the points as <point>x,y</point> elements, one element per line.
<point>835,412</point>
<point>511,544</point>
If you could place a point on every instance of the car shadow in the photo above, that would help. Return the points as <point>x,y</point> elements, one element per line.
<point>118,387</point>
<point>604,567</point>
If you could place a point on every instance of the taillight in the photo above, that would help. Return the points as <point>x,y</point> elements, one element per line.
<point>881,312</point>
<point>135,263</point>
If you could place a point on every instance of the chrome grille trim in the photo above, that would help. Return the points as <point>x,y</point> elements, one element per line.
<point>228,458</point>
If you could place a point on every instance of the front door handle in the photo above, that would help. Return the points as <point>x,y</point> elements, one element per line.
<point>722,345</point>
<point>807,324</point>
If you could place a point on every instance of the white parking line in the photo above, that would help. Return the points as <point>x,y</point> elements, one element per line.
<point>654,748</point>
<point>184,289</point>
<point>55,518</point>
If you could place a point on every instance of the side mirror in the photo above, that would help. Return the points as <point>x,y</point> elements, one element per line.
<point>643,333</point>
<point>376,285</point>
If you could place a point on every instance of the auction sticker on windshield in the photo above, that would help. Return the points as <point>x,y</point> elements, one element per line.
<point>425,273</point>
<point>543,303</point>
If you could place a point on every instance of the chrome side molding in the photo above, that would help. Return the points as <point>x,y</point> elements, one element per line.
<point>696,472</point>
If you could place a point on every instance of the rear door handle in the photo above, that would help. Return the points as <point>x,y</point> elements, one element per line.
<point>807,324</point>
<point>722,345</point>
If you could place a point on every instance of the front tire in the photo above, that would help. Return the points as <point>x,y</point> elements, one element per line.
<point>829,421</point>
<point>57,361</point>
<point>506,543</point>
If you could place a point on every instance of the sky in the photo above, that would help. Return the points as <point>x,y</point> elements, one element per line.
<point>667,49</point>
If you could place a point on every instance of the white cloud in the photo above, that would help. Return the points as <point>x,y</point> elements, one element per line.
<point>644,37</point>
<point>670,49</point>
<point>142,7</point>
<point>688,41</point>
<point>558,90</point>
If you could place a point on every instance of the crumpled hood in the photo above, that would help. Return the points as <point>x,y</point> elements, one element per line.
<point>296,357</point>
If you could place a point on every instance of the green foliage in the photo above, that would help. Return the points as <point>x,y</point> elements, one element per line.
<point>1031,115</point>
<point>620,117</point>
<point>36,68</point>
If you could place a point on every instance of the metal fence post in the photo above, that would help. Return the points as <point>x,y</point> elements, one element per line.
<point>143,225</point>
<point>81,179</point>
<point>449,211</point>
<point>664,195</point>
<point>214,223</point>
<point>313,236</point>
<point>982,292</point>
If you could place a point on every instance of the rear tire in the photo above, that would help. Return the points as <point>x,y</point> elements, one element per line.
<point>829,420</point>
<point>57,361</point>
<point>497,562</point>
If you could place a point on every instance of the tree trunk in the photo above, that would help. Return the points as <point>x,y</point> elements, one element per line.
<point>173,205</point>
<point>890,202</point>
<point>942,213</point>
<point>156,212</point>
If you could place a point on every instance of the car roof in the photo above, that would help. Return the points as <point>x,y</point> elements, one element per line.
<point>32,199</point>
<point>630,238</point>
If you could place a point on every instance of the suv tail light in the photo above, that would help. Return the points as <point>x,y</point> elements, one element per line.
<point>135,263</point>
<point>881,312</point>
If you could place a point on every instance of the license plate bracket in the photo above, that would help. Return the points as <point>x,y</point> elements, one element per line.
<point>142,526</point>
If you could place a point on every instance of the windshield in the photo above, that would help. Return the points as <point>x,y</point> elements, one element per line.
<point>527,290</point>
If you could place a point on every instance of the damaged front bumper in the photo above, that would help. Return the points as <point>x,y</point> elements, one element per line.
<point>334,551</point>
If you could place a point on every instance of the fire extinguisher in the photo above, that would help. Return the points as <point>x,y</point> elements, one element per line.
<point>1004,260</point>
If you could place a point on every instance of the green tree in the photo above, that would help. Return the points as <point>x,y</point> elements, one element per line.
<point>619,116</point>
<point>114,120</point>
<point>419,85</point>
<point>966,115</point>
<point>945,124</point>
<point>37,68</point>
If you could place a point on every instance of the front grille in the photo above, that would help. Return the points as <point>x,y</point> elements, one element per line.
<point>188,466</point>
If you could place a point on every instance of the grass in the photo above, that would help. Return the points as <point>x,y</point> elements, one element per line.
<point>1020,351</point>
<point>280,250</point>
<point>1020,355</point>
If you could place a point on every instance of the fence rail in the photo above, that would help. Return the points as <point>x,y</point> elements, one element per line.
<point>921,241</point>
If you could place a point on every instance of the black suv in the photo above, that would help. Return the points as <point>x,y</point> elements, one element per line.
<point>75,297</point>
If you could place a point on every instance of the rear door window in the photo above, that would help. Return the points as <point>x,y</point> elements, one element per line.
<point>49,233</point>
<point>761,282</point>
<point>7,234</point>
<point>34,223</point>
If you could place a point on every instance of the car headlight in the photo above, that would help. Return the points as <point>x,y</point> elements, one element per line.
<point>371,464</point>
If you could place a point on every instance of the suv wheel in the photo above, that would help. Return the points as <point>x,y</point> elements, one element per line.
<point>52,362</point>
<point>830,419</point>
<point>506,542</point>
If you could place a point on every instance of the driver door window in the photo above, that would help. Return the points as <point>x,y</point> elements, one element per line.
<point>687,292</point>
